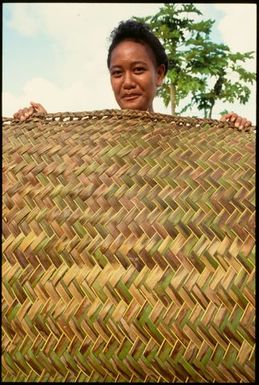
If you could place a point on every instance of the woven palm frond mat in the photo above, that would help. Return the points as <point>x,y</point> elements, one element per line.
<point>128,249</point>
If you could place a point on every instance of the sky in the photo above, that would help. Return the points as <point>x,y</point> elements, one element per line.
<point>55,53</point>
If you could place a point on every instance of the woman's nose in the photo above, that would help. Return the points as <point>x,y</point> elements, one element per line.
<point>128,81</point>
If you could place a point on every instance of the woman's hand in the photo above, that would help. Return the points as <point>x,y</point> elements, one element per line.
<point>239,121</point>
<point>26,112</point>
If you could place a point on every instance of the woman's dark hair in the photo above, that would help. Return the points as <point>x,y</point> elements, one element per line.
<point>141,33</point>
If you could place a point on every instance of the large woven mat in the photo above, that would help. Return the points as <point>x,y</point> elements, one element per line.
<point>128,249</point>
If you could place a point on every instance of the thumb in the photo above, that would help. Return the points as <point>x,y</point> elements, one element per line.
<point>38,107</point>
<point>35,105</point>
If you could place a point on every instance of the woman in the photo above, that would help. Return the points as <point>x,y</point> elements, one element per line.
<point>137,63</point>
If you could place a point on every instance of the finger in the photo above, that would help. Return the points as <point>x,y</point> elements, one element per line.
<point>30,110</point>
<point>231,116</point>
<point>234,117</point>
<point>245,123</point>
<point>17,114</point>
<point>25,113</point>
<point>239,121</point>
<point>248,123</point>
<point>225,117</point>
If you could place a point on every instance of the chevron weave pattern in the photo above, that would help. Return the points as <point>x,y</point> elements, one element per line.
<point>128,249</point>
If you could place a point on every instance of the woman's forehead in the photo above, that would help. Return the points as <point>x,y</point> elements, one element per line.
<point>132,51</point>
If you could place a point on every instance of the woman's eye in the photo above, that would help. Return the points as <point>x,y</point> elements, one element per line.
<point>139,69</point>
<point>117,73</point>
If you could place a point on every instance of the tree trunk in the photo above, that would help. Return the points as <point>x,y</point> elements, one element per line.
<point>172,98</point>
<point>208,112</point>
<point>211,108</point>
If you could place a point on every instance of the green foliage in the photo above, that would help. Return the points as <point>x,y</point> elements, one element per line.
<point>198,67</point>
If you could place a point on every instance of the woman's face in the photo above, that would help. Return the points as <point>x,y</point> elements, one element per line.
<point>134,75</point>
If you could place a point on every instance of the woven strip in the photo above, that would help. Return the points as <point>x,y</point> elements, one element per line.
<point>128,249</point>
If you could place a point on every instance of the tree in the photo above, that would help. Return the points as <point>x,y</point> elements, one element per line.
<point>197,66</point>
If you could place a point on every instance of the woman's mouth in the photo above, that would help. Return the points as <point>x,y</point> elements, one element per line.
<point>130,97</point>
